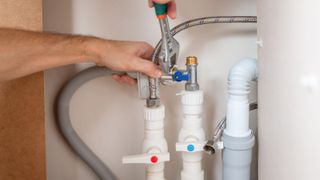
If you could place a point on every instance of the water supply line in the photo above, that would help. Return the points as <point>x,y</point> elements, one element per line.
<point>192,135</point>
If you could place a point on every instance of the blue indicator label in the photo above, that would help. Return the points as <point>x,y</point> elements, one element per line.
<point>190,147</point>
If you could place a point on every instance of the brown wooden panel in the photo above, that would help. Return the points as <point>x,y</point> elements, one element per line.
<point>22,142</point>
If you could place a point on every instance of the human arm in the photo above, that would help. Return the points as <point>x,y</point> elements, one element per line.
<point>26,52</point>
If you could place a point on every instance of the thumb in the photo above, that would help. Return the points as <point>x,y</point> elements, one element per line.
<point>144,66</point>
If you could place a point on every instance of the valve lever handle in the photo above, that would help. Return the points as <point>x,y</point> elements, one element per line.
<point>190,147</point>
<point>146,158</point>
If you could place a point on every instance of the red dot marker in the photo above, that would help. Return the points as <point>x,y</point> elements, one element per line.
<point>154,159</point>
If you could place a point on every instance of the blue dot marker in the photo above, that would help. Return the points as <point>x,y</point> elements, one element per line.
<point>190,147</point>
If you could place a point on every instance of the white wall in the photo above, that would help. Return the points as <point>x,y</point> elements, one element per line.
<point>108,116</point>
<point>289,90</point>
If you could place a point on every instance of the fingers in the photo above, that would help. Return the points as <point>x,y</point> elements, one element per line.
<point>132,57</point>
<point>150,2</point>
<point>172,10</point>
<point>145,50</point>
<point>124,79</point>
<point>144,66</point>
<point>141,63</point>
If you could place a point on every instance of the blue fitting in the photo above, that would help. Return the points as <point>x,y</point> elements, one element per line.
<point>180,76</point>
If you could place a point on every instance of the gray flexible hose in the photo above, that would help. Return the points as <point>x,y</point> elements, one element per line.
<point>65,125</point>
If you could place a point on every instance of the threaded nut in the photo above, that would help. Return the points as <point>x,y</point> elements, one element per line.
<point>192,60</point>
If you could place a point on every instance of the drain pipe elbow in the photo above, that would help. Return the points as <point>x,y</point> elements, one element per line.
<point>237,138</point>
<point>240,77</point>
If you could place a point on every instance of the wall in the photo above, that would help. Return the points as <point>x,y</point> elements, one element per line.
<point>22,146</point>
<point>289,90</point>
<point>107,115</point>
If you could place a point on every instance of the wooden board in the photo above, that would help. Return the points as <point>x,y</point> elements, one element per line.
<point>22,139</point>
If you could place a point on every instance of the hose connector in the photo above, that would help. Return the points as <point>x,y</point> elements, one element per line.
<point>153,102</point>
<point>212,146</point>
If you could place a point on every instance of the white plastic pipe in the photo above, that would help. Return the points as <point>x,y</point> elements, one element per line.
<point>239,80</point>
<point>237,137</point>
<point>192,136</point>
<point>155,148</point>
<point>155,142</point>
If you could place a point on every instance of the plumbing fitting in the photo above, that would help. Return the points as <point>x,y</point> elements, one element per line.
<point>154,98</point>
<point>155,148</point>
<point>215,143</point>
<point>191,136</point>
<point>240,76</point>
<point>237,138</point>
<point>192,84</point>
<point>189,75</point>
<point>153,102</point>
<point>179,76</point>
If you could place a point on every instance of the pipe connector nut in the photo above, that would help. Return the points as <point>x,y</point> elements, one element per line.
<point>192,60</point>
<point>153,102</point>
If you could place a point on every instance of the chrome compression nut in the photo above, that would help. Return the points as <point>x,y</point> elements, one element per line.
<point>153,102</point>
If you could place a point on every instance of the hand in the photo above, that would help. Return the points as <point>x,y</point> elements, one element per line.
<point>126,56</point>
<point>172,7</point>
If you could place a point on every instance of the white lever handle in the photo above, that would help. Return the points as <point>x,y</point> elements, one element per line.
<point>190,147</point>
<point>146,158</point>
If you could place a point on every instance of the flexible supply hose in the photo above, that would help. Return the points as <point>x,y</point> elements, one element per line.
<point>65,125</point>
<point>153,82</point>
<point>203,21</point>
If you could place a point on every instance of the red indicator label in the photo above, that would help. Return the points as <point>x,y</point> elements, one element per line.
<point>154,159</point>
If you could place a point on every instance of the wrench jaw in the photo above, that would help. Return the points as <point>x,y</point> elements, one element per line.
<point>169,50</point>
<point>174,55</point>
<point>168,57</point>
